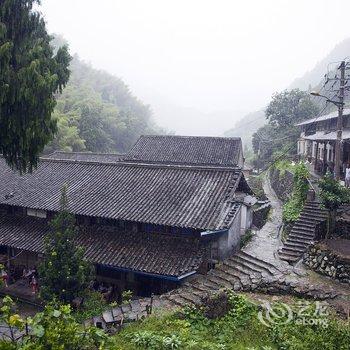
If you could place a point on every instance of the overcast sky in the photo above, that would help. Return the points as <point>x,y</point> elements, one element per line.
<point>211,55</point>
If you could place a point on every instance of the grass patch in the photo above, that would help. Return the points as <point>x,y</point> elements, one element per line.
<point>246,238</point>
<point>239,329</point>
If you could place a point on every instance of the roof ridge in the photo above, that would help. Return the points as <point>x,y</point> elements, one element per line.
<point>92,153</point>
<point>236,138</point>
<point>145,164</point>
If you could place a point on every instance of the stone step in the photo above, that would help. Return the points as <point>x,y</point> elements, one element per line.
<point>288,257</point>
<point>300,237</point>
<point>243,277</point>
<point>196,292</point>
<point>237,270</point>
<point>195,285</point>
<point>308,219</point>
<point>261,263</point>
<point>305,222</point>
<point>245,266</point>
<point>176,300</point>
<point>222,272</point>
<point>108,316</point>
<point>291,253</point>
<point>313,215</point>
<point>292,248</point>
<point>314,212</point>
<point>304,233</point>
<point>208,284</point>
<point>308,230</point>
<point>313,205</point>
<point>292,243</point>
<point>220,281</point>
<point>232,276</point>
<point>253,263</point>
<point>190,297</point>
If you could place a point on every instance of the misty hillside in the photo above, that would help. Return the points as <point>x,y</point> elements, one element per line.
<point>191,121</point>
<point>313,77</point>
<point>310,80</point>
<point>246,127</point>
<point>97,112</point>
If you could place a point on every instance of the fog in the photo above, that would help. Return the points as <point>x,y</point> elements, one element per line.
<point>201,65</point>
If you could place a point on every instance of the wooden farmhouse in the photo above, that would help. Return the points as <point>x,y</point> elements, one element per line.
<point>170,208</point>
<point>317,142</point>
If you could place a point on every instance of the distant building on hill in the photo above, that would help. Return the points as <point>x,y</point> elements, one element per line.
<point>317,142</point>
<point>148,220</point>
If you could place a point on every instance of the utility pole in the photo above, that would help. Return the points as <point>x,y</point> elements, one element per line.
<point>338,142</point>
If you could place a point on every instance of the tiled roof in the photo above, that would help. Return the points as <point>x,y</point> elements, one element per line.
<point>187,150</point>
<point>160,254</point>
<point>182,196</point>
<point>324,117</point>
<point>86,156</point>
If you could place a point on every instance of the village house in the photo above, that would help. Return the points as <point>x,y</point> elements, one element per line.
<point>170,208</point>
<point>317,142</point>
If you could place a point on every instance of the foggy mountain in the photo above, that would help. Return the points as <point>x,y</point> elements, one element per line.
<point>314,76</point>
<point>191,121</point>
<point>251,122</point>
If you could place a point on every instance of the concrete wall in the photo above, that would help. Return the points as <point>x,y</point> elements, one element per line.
<point>246,218</point>
<point>229,241</point>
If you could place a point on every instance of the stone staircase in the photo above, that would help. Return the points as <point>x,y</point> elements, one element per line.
<point>241,272</point>
<point>303,232</point>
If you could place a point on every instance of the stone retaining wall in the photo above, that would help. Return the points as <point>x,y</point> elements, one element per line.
<point>342,229</point>
<point>320,259</point>
<point>260,215</point>
<point>282,184</point>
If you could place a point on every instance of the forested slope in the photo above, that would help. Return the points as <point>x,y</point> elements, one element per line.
<point>97,112</point>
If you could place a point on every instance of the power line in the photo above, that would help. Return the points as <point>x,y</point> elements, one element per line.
<point>293,144</point>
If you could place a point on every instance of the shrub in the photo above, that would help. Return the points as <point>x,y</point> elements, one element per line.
<point>294,206</point>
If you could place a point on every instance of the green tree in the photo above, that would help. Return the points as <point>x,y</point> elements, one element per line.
<point>289,107</point>
<point>333,195</point>
<point>30,75</point>
<point>93,128</point>
<point>53,328</point>
<point>64,274</point>
<point>67,137</point>
<point>280,134</point>
<point>107,116</point>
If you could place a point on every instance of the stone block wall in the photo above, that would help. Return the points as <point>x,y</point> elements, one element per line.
<point>260,215</point>
<point>281,183</point>
<point>342,229</point>
<point>322,260</point>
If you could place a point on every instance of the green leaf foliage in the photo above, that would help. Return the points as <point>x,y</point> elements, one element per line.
<point>64,274</point>
<point>30,76</point>
<point>54,328</point>
<point>294,206</point>
<point>239,329</point>
<point>97,112</point>
<point>332,193</point>
<point>280,134</point>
